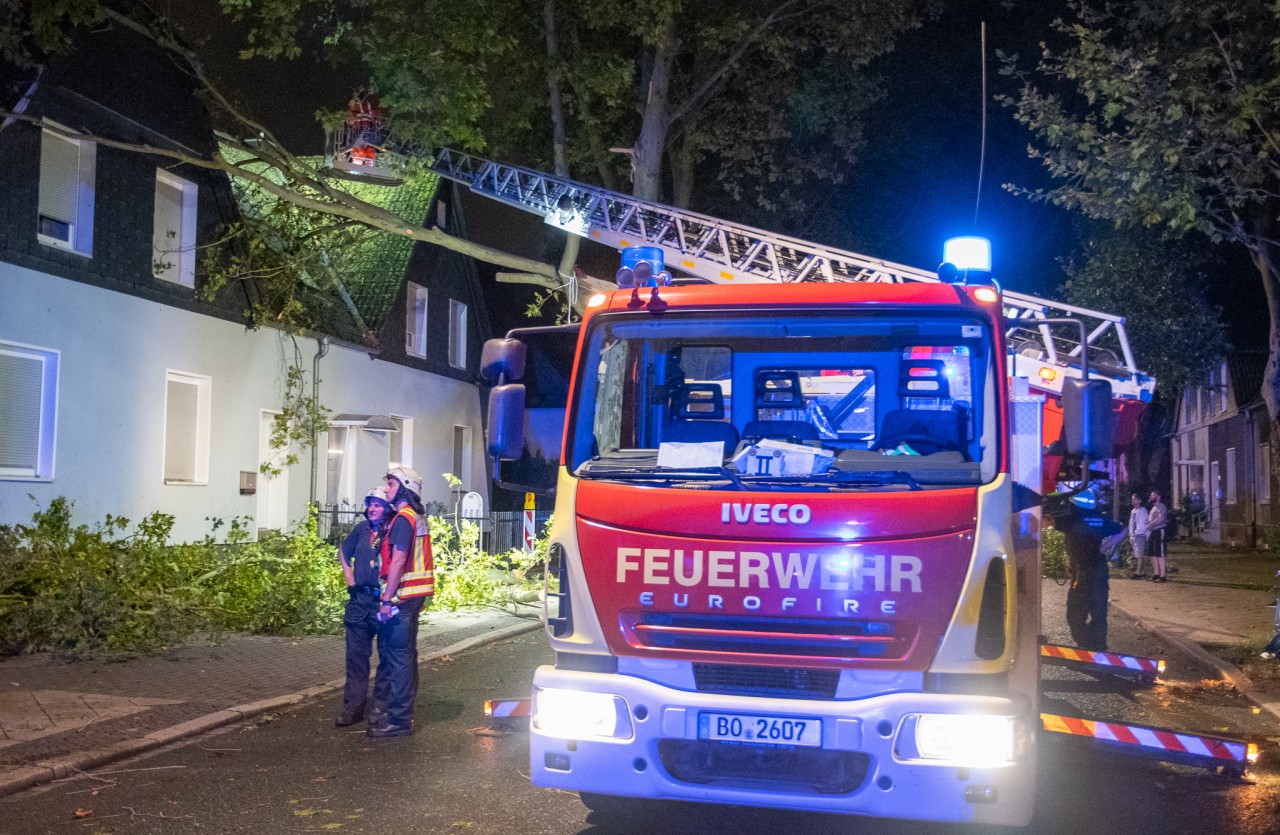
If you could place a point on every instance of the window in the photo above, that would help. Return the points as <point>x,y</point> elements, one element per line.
<point>1231,476</point>
<point>173,246</point>
<point>400,443</point>
<point>1264,473</point>
<point>415,326</point>
<point>457,334</point>
<point>186,428</point>
<point>28,411</point>
<point>1212,408</point>
<point>67,172</point>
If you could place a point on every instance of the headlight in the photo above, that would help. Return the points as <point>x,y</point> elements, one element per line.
<point>967,739</point>
<point>577,714</point>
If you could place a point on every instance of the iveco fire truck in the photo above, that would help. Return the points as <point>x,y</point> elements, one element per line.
<point>795,553</point>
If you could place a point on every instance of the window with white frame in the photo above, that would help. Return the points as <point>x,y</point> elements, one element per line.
<point>28,411</point>
<point>173,243</point>
<point>1231,476</point>
<point>67,177</point>
<point>457,334</point>
<point>186,428</point>
<point>400,443</point>
<point>1213,393</point>
<point>1264,473</point>
<point>415,325</point>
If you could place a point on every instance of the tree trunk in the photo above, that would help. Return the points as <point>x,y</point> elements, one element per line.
<point>656,121</point>
<point>684,159</point>
<point>1263,253</point>
<point>553,87</point>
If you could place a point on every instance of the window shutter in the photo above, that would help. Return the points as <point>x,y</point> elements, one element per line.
<point>20,384</point>
<point>395,444</point>
<point>181,403</point>
<point>59,177</point>
<point>167,241</point>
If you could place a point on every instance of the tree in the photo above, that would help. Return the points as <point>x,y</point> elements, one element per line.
<point>668,82</point>
<point>1161,113</point>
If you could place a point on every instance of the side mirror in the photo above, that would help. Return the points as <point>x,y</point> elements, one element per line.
<point>1088,424</point>
<point>505,437</point>
<point>502,360</point>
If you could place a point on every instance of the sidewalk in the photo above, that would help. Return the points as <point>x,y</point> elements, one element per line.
<point>1207,618</point>
<point>57,718</point>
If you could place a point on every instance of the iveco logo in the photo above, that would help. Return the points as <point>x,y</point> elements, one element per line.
<point>765,514</point>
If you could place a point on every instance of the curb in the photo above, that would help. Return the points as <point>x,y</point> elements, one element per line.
<point>21,778</point>
<point>1229,672</point>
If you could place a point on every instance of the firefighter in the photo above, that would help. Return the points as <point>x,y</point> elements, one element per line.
<point>409,580</point>
<point>361,556</point>
<point>1086,569</point>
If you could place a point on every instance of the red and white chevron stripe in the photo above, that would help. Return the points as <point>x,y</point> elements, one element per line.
<point>504,709</point>
<point>1228,751</point>
<point>1134,663</point>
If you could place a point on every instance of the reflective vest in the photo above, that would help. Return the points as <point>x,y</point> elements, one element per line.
<point>419,577</point>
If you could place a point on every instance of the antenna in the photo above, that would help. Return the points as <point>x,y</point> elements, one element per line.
<point>982,154</point>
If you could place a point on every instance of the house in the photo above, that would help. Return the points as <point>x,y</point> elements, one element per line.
<point>1221,452</point>
<point>123,390</point>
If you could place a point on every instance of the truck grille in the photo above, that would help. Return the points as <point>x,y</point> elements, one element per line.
<point>783,682</point>
<point>781,637</point>
<point>764,767</point>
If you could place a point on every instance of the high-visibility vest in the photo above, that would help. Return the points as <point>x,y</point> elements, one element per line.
<point>419,577</point>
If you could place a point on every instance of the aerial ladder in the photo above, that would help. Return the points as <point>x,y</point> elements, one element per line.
<point>719,251</point>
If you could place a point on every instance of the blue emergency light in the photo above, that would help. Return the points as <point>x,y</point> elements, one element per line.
<point>968,253</point>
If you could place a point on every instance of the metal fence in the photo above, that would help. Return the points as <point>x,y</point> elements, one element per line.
<point>499,532</point>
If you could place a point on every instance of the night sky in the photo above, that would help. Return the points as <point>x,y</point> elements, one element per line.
<point>915,185</point>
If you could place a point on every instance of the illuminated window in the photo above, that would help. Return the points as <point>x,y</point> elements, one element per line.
<point>186,428</point>
<point>67,174</point>
<point>28,411</point>
<point>457,334</point>
<point>400,443</point>
<point>462,454</point>
<point>173,243</point>
<point>415,325</point>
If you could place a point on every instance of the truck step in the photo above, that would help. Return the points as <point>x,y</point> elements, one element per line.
<point>1144,669</point>
<point>1225,756</point>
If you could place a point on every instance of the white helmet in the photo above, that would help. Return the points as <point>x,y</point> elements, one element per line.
<point>379,494</point>
<point>409,479</point>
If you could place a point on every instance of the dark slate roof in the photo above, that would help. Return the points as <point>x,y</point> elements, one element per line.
<point>376,267</point>
<point>1245,369</point>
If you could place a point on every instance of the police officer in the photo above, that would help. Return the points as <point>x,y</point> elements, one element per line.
<point>408,581</point>
<point>1087,570</point>
<point>362,566</point>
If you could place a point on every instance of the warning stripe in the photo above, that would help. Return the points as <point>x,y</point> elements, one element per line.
<point>512,707</point>
<point>1103,659</point>
<point>1156,738</point>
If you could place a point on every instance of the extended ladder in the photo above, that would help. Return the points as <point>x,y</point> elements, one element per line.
<point>720,251</point>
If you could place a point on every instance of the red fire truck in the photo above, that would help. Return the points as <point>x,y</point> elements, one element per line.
<point>795,551</point>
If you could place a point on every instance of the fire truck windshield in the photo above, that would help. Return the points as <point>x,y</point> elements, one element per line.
<point>857,400</point>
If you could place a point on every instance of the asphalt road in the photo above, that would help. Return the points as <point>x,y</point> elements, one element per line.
<point>294,772</point>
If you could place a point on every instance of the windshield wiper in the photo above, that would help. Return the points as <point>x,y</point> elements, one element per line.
<point>840,478</point>
<point>633,473</point>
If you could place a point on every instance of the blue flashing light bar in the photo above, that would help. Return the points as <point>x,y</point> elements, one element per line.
<point>968,253</point>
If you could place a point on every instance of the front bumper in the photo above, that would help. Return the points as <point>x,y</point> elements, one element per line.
<point>858,769</point>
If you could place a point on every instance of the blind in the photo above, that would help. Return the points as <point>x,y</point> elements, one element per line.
<point>459,447</point>
<point>415,337</point>
<point>59,177</point>
<point>181,402</point>
<point>20,383</point>
<point>167,240</point>
<point>457,334</point>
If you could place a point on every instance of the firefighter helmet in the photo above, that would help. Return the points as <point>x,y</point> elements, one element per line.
<point>409,479</point>
<point>378,494</point>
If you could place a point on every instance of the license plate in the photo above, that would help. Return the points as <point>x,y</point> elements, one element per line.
<point>767,730</point>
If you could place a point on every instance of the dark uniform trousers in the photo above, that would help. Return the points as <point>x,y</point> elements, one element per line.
<point>361,622</point>
<point>1087,607</point>
<point>398,662</point>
